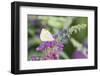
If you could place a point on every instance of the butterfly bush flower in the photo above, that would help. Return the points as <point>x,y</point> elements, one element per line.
<point>46,44</point>
<point>78,55</point>
<point>56,48</point>
<point>35,58</point>
<point>49,44</point>
<point>52,56</point>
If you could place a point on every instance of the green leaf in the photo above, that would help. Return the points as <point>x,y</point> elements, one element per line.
<point>56,24</point>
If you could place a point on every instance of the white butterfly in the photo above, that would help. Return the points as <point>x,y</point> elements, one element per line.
<point>45,35</point>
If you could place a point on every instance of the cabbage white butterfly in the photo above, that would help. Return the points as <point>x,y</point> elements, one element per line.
<point>45,35</point>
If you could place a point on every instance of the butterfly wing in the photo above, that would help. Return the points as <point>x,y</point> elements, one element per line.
<point>45,35</point>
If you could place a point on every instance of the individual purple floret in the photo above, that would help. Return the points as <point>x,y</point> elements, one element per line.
<point>40,48</point>
<point>78,55</point>
<point>55,55</point>
<point>60,45</point>
<point>35,58</point>
<point>50,44</point>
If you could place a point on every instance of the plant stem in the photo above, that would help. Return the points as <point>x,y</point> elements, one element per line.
<point>64,55</point>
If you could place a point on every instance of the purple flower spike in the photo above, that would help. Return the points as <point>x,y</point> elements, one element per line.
<point>47,44</point>
<point>60,45</point>
<point>55,55</point>
<point>45,58</point>
<point>35,58</point>
<point>40,48</point>
<point>54,43</point>
<point>52,56</point>
<point>78,55</point>
<point>50,44</point>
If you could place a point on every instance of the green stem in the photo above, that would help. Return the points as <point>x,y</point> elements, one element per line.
<point>64,55</point>
<point>75,43</point>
